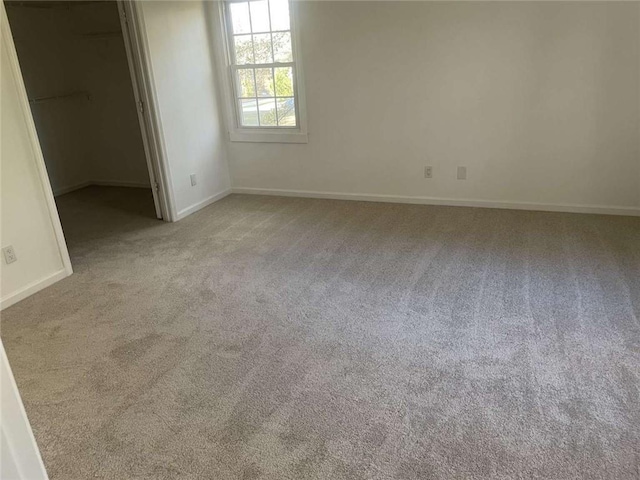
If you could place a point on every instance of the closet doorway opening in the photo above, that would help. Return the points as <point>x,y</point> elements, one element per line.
<point>82,66</point>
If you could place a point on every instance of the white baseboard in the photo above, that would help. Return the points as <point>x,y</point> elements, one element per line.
<point>71,188</point>
<point>33,287</point>
<point>101,183</point>
<point>116,183</point>
<point>200,205</point>
<point>544,207</point>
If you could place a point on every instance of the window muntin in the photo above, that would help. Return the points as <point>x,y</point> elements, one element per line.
<point>262,63</point>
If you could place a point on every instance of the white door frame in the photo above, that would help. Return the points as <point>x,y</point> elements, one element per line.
<point>19,455</point>
<point>6,38</point>
<point>138,57</point>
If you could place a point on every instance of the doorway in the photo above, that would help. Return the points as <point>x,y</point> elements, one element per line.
<point>81,79</point>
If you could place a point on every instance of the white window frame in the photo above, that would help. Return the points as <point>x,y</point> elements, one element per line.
<point>238,133</point>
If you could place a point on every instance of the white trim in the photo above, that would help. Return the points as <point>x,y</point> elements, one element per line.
<point>218,40</point>
<point>147,85</point>
<point>301,96</point>
<point>241,135</point>
<point>200,205</point>
<point>223,67</point>
<point>118,183</point>
<point>14,66</point>
<point>70,188</point>
<point>367,197</point>
<point>99,183</point>
<point>32,288</point>
<point>135,68</point>
<point>22,448</point>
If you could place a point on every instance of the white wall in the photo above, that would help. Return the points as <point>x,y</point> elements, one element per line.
<point>28,219</point>
<point>77,48</point>
<point>116,148</point>
<point>186,91</point>
<point>46,58</point>
<point>539,100</point>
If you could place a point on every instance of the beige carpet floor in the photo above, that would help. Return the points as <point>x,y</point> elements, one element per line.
<point>281,338</point>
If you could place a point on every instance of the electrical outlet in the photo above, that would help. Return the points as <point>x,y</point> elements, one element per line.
<point>462,173</point>
<point>428,172</point>
<point>194,180</point>
<point>9,254</point>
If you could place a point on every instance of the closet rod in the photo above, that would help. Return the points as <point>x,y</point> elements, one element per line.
<point>60,97</point>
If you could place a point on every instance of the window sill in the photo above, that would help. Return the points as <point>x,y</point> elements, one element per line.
<point>268,137</point>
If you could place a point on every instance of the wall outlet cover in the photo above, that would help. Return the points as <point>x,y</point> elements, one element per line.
<point>462,173</point>
<point>194,179</point>
<point>9,254</point>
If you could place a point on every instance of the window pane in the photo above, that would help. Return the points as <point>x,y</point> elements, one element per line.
<point>284,82</point>
<point>264,82</point>
<point>260,16</point>
<point>248,113</point>
<point>263,48</point>
<point>282,47</point>
<point>260,36</point>
<point>240,17</point>
<point>267,108</point>
<point>246,83</point>
<point>279,14</point>
<point>244,49</point>
<point>286,112</point>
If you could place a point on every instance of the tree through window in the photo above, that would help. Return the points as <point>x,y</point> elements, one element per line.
<point>262,62</point>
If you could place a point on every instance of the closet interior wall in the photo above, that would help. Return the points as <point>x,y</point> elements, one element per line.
<point>75,69</point>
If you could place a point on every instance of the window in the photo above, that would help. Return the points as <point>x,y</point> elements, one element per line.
<point>264,73</point>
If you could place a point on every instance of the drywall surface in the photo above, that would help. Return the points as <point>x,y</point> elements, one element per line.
<point>47,57</point>
<point>539,100</point>
<point>185,84</point>
<point>25,221</point>
<point>73,49</point>
<point>116,148</point>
